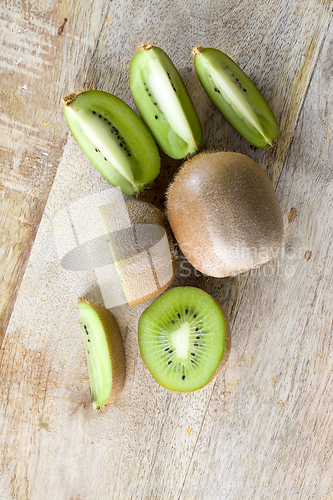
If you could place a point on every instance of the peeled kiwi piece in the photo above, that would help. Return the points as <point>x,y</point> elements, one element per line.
<point>114,139</point>
<point>181,338</point>
<point>104,352</point>
<point>163,102</point>
<point>235,96</point>
<point>224,214</point>
<point>142,251</point>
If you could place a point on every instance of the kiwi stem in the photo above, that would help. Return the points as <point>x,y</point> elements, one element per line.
<point>144,46</point>
<point>70,98</point>
<point>196,50</point>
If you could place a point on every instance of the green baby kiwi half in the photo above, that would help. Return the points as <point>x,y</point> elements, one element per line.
<point>236,97</point>
<point>163,102</point>
<point>104,352</point>
<point>114,139</point>
<point>181,338</point>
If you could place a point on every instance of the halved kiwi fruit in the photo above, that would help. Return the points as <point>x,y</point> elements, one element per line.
<point>163,102</point>
<point>114,139</point>
<point>104,352</point>
<point>224,214</point>
<point>181,338</point>
<point>235,96</point>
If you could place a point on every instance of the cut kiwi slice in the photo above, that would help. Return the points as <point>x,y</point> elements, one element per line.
<point>181,338</point>
<point>104,351</point>
<point>163,102</point>
<point>236,97</point>
<point>114,139</point>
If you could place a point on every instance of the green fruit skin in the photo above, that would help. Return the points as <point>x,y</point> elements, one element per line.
<point>209,60</point>
<point>168,140</point>
<point>144,162</point>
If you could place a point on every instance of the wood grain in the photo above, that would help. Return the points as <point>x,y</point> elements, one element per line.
<point>245,430</point>
<point>37,66</point>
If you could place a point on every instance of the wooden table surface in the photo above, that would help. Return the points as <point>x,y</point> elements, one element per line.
<point>264,427</point>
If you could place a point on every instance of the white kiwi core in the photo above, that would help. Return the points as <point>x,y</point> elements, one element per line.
<point>99,135</point>
<point>236,98</point>
<point>168,100</point>
<point>180,339</point>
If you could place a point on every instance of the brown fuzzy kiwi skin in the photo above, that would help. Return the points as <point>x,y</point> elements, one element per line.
<point>224,214</point>
<point>116,350</point>
<point>141,212</point>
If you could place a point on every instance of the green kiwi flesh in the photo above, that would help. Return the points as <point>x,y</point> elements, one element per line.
<point>104,352</point>
<point>163,102</point>
<point>236,97</point>
<point>181,338</point>
<point>114,139</point>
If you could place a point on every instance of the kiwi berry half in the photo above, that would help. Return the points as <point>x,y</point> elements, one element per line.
<point>163,102</point>
<point>114,139</point>
<point>104,352</point>
<point>235,96</point>
<point>181,338</point>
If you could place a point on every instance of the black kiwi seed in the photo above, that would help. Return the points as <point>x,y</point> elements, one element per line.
<point>194,316</point>
<point>183,377</point>
<point>156,117</point>
<point>192,354</point>
<point>100,116</point>
<point>169,361</point>
<point>94,112</point>
<point>178,315</point>
<point>186,311</point>
<point>197,338</point>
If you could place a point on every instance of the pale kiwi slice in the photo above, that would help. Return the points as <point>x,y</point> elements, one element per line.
<point>163,102</point>
<point>114,139</point>
<point>181,338</point>
<point>235,96</point>
<point>141,248</point>
<point>104,352</point>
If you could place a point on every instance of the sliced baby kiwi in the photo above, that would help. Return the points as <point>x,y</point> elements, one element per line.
<point>104,351</point>
<point>163,102</point>
<point>235,96</point>
<point>181,338</point>
<point>114,139</point>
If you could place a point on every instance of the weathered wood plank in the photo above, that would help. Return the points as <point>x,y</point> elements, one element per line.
<point>37,65</point>
<point>269,422</point>
<point>51,441</point>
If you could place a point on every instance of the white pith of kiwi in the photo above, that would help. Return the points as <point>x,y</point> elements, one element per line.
<point>114,139</point>
<point>236,96</point>
<point>163,102</point>
<point>224,214</point>
<point>182,337</point>
<point>104,353</point>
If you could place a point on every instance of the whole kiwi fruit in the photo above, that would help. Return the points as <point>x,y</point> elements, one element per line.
<point>224,214</point>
